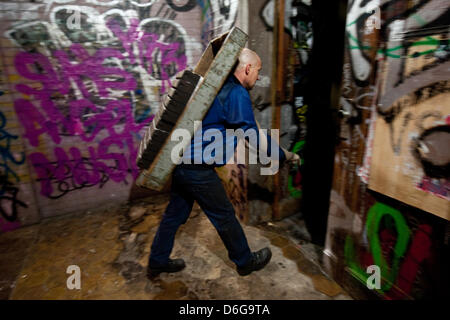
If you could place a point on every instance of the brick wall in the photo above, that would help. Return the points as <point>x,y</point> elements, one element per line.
<point>79,82</point>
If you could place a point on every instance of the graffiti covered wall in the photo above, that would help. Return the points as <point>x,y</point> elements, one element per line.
<point>80,81</point>
<point>412,130</point>
<point>298,42</point>
<point>391,51</point>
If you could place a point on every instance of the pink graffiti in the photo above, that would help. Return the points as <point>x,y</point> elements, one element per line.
<point>92,67</point>
<point>37,123</point>
<point>418,252</point>
<point>116,112</point>
<point>84,119</point>
<point>148,46</point>
<point>438,187</point>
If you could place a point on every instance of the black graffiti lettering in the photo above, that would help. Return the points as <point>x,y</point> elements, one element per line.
<point>8,200</point>
<point>224,6</point>
<point>184,7</point>
<point>74,170</point>
<point>8,192</point>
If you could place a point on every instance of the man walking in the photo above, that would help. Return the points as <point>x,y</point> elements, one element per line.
<point>199,182</point>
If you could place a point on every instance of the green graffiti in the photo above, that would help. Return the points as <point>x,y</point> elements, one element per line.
<point>388,273</point>
<point>391,52</point>
<point>350,260</point>
<point>374,217</point>
<point>295,192</point>
<point>352,23</point>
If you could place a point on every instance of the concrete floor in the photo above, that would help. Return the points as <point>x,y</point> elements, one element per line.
<point>111,248</point>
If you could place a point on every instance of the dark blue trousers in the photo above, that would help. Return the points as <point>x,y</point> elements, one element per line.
<point>199,184</point>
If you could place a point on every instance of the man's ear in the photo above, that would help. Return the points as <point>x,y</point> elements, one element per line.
<point>247,69</point>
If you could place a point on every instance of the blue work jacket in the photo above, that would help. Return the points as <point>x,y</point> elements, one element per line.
<point>231,109</point>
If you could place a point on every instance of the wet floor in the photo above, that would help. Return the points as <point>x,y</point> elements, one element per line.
<point>111,249</point>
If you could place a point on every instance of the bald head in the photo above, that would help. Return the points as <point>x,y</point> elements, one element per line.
<point>247,71</point>
<point>246,57</point>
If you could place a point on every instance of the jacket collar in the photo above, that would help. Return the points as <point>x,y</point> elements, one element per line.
<point>233,79</point>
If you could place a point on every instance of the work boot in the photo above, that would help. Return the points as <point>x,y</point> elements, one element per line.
<point>172,266</point>
<point>259,260</point>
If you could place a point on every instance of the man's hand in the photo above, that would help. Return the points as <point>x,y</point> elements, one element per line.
<point>292,158</point>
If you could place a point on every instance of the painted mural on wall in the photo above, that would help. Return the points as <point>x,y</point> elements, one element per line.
<point>366,228</point>
<point>302,36</point>
<point>217,17</point>
<point>298,25</point>
<point>16,195</point>
<point>404,244</point>
<point>10,161</point>
<point>298,40</point>
<point>80,82</point>
<point>413,108</point>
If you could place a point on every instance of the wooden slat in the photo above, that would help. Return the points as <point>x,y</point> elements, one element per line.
<point>165,120</point>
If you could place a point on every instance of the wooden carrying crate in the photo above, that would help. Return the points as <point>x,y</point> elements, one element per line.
<point>189,101</point>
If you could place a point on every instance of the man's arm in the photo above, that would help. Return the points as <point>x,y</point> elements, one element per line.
<point>289,156</point>
<point>239,114</point>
